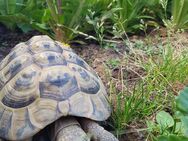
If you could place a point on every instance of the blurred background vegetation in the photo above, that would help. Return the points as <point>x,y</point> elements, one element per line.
<point>100,20</point>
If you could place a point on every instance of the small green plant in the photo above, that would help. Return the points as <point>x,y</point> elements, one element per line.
<point>62,17</point>
<point>113,63</point>
<point>98,25</point>
<point>127,108</point>
<point>172,128</point>
<point>101,24</point>
<point>78,18</point>
<point>180,14</point>
<point>25,14</point>
<point>175,15</point>
<point>172,138</point>
<point>67,17</point>
<point>128,17</point>
<point>165,125</point>
<point>9,7</point>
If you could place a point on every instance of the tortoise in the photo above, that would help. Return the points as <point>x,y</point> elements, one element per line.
<point>44,82</point>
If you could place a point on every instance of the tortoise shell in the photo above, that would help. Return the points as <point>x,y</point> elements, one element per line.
<point>42,80</point>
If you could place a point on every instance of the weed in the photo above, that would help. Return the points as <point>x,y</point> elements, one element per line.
<point>178,18</point>
<point>23,14</point>
<point>100,24</point>
<point>113,63</point>
<point>171,128</point>
<point>64,23</point>
<point>127,108</point>
<point>128,17</point>
<point>180,14</point>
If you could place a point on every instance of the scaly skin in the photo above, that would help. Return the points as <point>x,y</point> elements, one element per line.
<point>68,129</point>
<point>98,133</point>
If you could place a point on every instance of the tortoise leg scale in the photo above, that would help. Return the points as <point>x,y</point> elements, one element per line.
<point>98,132</point>
<point>68,129</point>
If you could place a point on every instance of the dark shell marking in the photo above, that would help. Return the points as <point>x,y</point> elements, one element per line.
<point>47,59</point>
<point>73,58</point>
<point>17,51</point>
<point>26,128</point>
<point>42,46</point>
<point>93,88</point>
<point>16,103</point>
<point>5,124</point>
<point>25,81</point>
<point>1,84</point>
<point>13,68</point>
<point>22,90</point>
<point>59,88</point>
<point>87,82</point>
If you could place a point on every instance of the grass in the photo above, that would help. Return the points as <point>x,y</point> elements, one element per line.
<point>153,90</point>
<point>129,107</point>
<point>128,17</point>
<point>180,14</point>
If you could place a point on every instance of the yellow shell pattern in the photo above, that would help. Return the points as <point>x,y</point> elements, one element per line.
<point>42,80</point>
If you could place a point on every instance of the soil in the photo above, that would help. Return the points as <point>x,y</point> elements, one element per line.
<point>101,60</point>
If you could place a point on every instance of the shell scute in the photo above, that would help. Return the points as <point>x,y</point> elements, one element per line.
<point>42,46</point>
<point>22,90</point>
<point>73,58</point>
<point>78,101</point>
<point>5,123</point>
<point>87,82</point>
<point>14,67</point>
<point>43,113</point>
<point>22,124</point>
<point>47,59</point>
<point>25,81</point>
<point>38,38</point>
<point>59,86</point>
<point>15,52</point>
<point>8,101</point>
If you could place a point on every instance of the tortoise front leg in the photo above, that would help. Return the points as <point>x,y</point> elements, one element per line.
<point>98,133</point>
<point>68,129</point>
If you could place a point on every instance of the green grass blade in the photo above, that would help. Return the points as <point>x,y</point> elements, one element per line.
<point>7,6</point>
